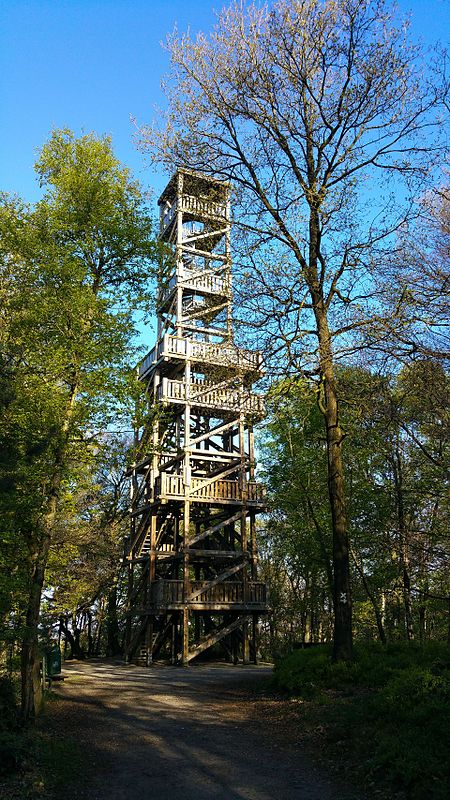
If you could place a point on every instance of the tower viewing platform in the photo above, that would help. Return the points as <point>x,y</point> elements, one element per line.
<point>192,554</point>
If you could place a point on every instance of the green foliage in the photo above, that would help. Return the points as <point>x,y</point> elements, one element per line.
<point>8,702</point>
<point>74,271</point>
<point>295,544</point>
<point>14,752</point>
<point>389,709</point>
<point>85,558</point>
<point>396,432</point>
<point>13,745</point>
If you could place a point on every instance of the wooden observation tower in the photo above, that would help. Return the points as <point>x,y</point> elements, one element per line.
<point>194,499</point>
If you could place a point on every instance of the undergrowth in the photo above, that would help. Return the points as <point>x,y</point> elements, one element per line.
<point>386,712</point>
<point>36,761</point>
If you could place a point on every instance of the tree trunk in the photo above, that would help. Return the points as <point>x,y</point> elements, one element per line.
<point>403,544</point>
<point>30,659</point>
<point>448,619</point>
<point>78,651</point>
<point>371,596</point>
<point>89,633</point>
<point>39,547</point>
<point>98,632</point>
<point>112,625</point>
<point>72,638</point>
<point>328,402</point>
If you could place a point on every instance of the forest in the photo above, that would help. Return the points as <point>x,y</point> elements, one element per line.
<point>317,115</point>
<point>75,268</point>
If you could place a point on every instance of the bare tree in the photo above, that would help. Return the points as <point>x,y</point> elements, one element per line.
<point>310,108</point>
<point>421,282</point>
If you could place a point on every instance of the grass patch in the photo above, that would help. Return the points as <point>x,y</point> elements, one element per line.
<point>47,765</point>
<point>60,762</point>
<point>39,761</point>
<point>386,714</point>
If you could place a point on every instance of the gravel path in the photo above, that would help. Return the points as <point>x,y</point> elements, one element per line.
<point>168,733</point>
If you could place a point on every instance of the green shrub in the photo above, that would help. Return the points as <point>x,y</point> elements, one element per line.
<point>388,710</point>
<point>302,671</point>
<point>8,703</point>
<point>15,752</point>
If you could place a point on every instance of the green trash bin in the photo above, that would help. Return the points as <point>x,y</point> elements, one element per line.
<point>53,661</point>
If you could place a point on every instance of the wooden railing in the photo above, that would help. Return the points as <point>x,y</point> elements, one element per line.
<point>166,593</point>
<point>203,206</point>
<point>208,282</point>
<point>204,394</point>
<point>206,352</point>
<point>198,206</point>
<point>173,487</point>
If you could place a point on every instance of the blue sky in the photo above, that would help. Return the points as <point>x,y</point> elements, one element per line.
<point>94,64</point>
<point>83,64</point>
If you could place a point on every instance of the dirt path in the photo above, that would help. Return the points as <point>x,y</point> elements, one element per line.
<point>168,733</point>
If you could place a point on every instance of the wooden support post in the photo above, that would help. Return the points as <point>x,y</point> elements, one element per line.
<point>245,643</point>
<point>253,552</point>
<point>179,255</point>
<point>197,622</point>
<point>174,640</point>
<point>251,453</point>
<point>151,579</point>
<point>185,651</point>
<point>244,540</point>
<point>235,647</point>
<point>186,517</point>
<point>128,617</point>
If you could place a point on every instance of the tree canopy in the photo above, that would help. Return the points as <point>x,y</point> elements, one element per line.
<point>397,457</point>
<point>75,267</point>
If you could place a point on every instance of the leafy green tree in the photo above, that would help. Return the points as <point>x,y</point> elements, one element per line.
<point>396,454</point>
<point>309,108</point>
<point>84,568</point>
<point>417,431</point>
<point>75,267</point>
<point>297,541</point>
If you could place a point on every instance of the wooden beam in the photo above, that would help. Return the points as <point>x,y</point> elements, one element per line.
<point>136,636</point>
<point>214,637</point>
<point>207,253</point>
<point>208,235</point>
<point>208,455</point>
<point>218,476</point>
<point>219,579</point>
<point>215,431</point>
<point>141,531</point>
<point>213,529</point>
<point>162,635</point>
<point>212,553</point>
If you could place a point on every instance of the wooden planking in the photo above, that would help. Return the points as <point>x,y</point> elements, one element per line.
<point>169,593</point>
<point>211,396</point>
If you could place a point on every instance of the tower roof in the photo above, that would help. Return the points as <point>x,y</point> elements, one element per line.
<point>197,183</point>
